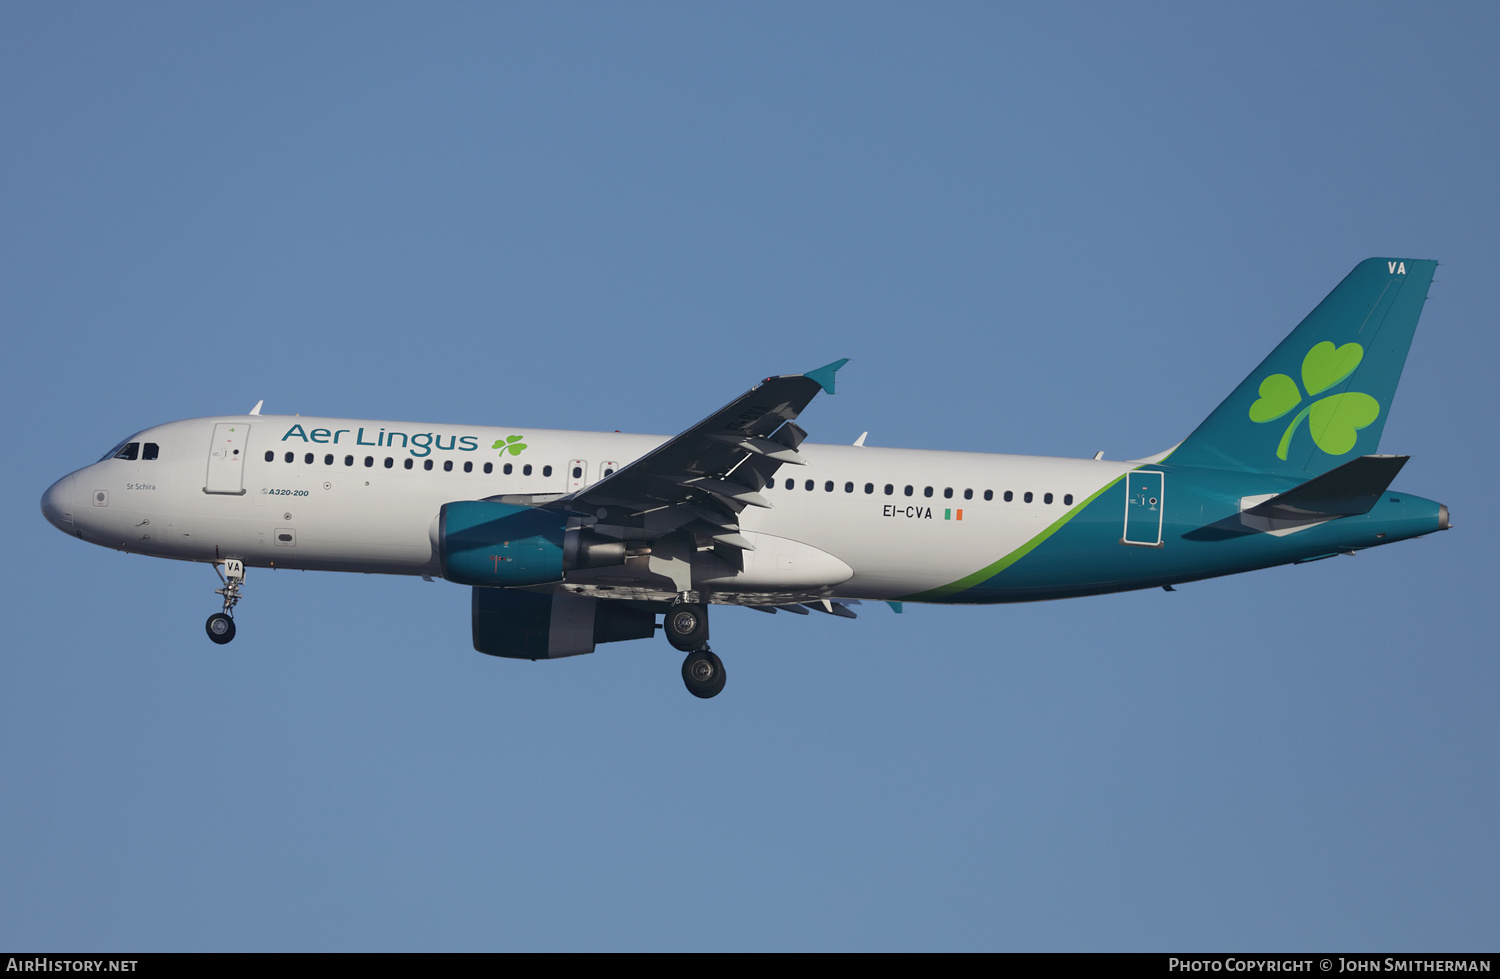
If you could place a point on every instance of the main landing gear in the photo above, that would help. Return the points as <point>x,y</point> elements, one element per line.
<point>703,672</point>
<point>686,625</point>
<point>220,625</point>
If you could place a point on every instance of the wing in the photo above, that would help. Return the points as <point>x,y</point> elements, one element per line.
<point>708,475</point>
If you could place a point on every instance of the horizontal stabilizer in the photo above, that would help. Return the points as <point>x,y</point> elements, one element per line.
<point>1347,491</point>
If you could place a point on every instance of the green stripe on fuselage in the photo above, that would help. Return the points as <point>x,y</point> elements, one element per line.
<point>984,574</point>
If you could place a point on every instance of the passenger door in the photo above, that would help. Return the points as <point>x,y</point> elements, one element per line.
<point>226,459</point>
<point>1143,509</point>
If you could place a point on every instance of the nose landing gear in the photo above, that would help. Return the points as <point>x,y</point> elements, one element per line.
<point>220,625</point>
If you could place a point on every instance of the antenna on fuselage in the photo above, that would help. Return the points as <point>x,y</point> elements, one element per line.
<point>861,440</point>
<point>256,409</point>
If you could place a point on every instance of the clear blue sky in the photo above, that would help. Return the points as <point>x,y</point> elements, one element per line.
<point>1035,228</point>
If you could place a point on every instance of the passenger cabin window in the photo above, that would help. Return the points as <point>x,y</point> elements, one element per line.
<point>1068,499</point>
<point>790,484</point>
<point>808,485</point>
<point>828,486</point>
<point>968,494</point>
<point>328,459</point>
<point>927,492</point>
<point>508,468</point>
<point>489,467</point>
<point>526,469</point>
<point>908,491</point>
<point>889,489</point>
<point>369,462</point>
<point>1028,496</point>
<point>948,492</point>
<point>308,459</point>
<point>270,456</point>
<point>468,467</point>
<point>407,463</point>
<point>290,457</point>
<point>1008,495</point>
<point>990,495</point>
<point>427,464</point>
<point>348,460</point>
<point>1047,498</point>
<point>447,465</point>
<point>869,487</point>
<point>390,463</point>
<point>577,472</point>
<point>848,487</point>
<point>149,451</point>
<point>546,470</point>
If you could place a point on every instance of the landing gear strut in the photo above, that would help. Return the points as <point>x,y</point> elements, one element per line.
<point>220,625</point>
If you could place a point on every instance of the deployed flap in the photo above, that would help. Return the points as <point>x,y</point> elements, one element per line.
<point>1347,491</point>
<point>720,464</point>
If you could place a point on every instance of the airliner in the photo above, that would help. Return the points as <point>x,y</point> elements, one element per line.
<point>572,539</point>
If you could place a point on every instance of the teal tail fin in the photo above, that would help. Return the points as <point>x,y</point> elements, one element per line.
<point>1321,397</point>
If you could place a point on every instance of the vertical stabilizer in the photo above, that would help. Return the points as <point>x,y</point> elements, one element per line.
<point>1321,398</point>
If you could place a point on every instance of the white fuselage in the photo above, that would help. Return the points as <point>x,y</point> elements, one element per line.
<point>359,495</point>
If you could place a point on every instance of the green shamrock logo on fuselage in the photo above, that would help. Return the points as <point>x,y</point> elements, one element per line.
<point>1335,420</point>
<point>511,444</point>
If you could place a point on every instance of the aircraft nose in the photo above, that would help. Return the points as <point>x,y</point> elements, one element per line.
<point>57,504</point>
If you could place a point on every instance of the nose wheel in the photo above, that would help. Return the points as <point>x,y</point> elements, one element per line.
<point>703,673</point>
<point>220,628</point>
<point>220,625</point>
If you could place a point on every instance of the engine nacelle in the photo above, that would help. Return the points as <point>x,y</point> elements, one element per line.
<point>481,542</point>
<point>525,625</point>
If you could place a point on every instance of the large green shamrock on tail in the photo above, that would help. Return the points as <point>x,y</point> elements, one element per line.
<point>511,444</point>
<point>1336,419</point>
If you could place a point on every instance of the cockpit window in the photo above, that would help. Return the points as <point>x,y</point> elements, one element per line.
<point>129,451</point>
<point>149,451</point>
<point>120,448</point>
